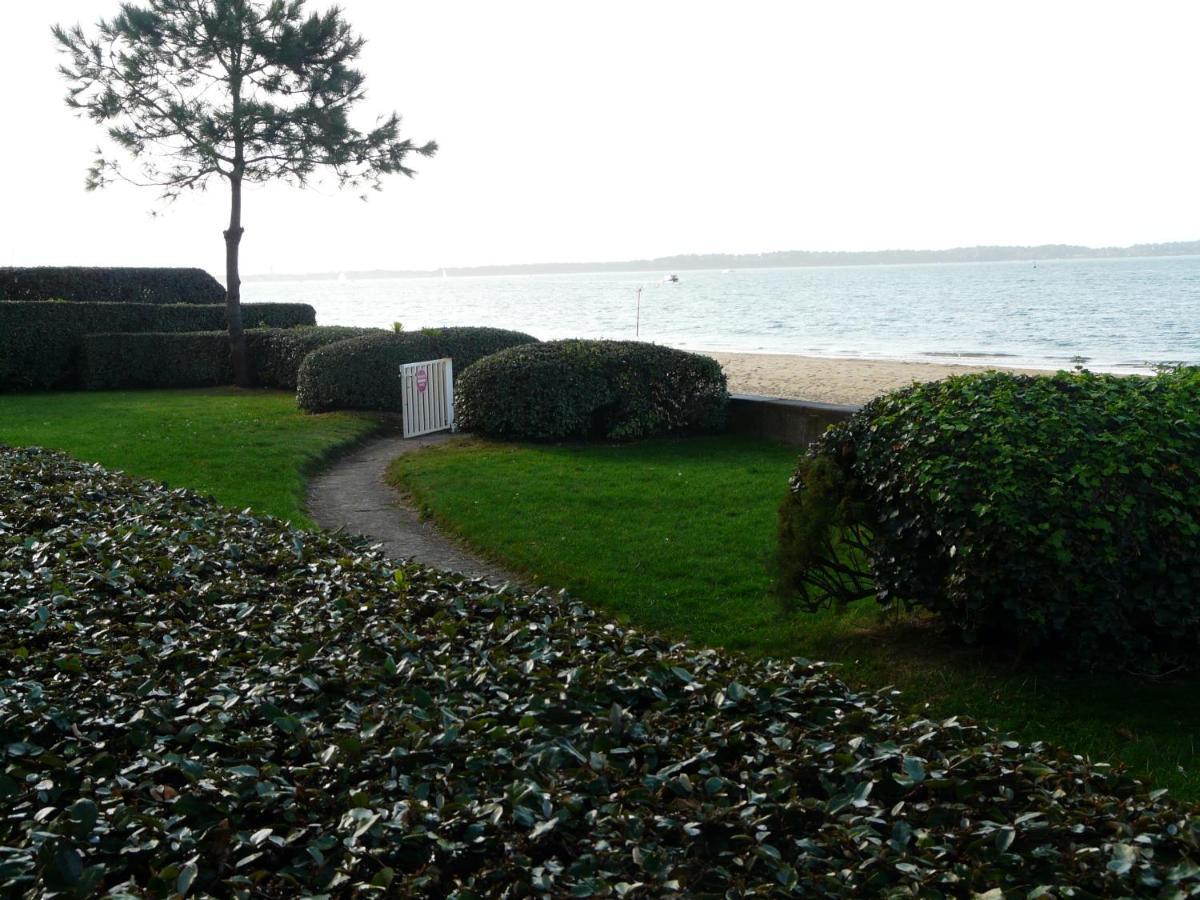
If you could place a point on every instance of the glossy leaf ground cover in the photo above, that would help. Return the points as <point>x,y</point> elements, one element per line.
<point>196,700</point>
<point>679,535</point>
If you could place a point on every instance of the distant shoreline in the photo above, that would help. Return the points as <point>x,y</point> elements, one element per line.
<point>975,361</point>
<point>784,259</point>
<point>843,380</point>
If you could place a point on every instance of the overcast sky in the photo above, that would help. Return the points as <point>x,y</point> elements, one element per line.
<point>634,128</point>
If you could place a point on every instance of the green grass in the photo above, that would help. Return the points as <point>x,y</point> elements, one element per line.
<point>245,448</point>
<point>677,536</point>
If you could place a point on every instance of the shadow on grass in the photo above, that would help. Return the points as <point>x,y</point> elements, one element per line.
<point>1148,723</point>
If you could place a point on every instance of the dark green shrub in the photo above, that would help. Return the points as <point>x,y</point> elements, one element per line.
<point>40,342</point>
<point>364,373</point>
<point>201,358</point>
<point>187,688</point>
<point>467,345</point>
<point>110,285</point>
<point>275,354</point>
<point>155,360</point>
<point>272,315</point>
<point>610,389</point>
<point>1054,514</point>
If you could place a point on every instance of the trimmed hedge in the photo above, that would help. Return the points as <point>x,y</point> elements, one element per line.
<point>110,285</point>
<point>201,358</point>
<point>1057,515</point>
<point>204,702</point>
<point>275,354</point>
<point>155,360</point>
<point>363,373</point>
<point>40,342</point>
<point>273,315</point>
<point>610,389</point>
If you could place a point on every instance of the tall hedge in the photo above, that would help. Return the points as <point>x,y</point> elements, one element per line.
<point>1050,515</point>
<point>155,360</point>
<point>40,342</point>
<point>611,389</point>
<point>364,373</point>
<point>201,358</point>
<point>110,285</point>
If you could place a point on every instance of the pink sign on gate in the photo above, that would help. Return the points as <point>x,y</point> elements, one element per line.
<point>422,380</point>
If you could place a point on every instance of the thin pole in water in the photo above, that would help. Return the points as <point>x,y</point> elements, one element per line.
<point>637,328</point>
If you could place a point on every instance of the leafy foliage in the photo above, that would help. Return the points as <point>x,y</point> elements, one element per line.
<point>200,700</point>
<point>110,284</point>
<point>613,389</point>
<point>1058,514</point>
<point>364,373</point>
<point>41,343</point>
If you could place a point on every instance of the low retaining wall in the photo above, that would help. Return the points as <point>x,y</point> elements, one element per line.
<point>796,422</point>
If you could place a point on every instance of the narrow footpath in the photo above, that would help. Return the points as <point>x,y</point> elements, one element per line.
<point>353,494</point>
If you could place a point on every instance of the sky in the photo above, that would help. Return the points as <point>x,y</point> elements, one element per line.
<point>626,129</point>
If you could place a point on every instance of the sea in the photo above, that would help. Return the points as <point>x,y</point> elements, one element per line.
<point>1130,314</point>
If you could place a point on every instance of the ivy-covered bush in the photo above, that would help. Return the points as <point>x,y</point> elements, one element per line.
<point>41,343</point>
<point>201,702</point>
<point>80,284</point>
<point>1052,514</point>
<point>364,373</point>
<point>611,389</point>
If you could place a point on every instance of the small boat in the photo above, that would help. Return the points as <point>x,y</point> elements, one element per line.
<point>671,279</point>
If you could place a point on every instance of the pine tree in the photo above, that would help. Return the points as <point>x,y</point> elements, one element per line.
<point>243,90</point>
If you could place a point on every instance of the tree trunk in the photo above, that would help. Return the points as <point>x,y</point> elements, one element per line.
<point>233,286</point>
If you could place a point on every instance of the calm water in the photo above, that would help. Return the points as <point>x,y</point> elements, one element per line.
<point>1109,314</point>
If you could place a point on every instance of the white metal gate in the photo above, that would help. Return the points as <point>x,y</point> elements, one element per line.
<point>427,390</point>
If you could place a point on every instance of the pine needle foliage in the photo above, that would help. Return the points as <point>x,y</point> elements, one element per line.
<point>239,90</point>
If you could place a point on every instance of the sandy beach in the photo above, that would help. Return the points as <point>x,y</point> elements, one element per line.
<point>831,380</point>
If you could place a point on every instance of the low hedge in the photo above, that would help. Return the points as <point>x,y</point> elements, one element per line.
<point>363,373</point>
<point>110,285</point>
<point>201,358</point>
<point>40,343</point>
<point>201,702</point>
<point>608,389</point>
<point>1051,515</point>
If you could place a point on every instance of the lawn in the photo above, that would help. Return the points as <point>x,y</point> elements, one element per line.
<point>245,448</point>
<point>677,536</point>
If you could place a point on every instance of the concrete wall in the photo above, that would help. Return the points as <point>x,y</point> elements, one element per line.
<point>796,422</point>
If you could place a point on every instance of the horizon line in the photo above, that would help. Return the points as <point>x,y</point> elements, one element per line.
<point>771,259</point>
